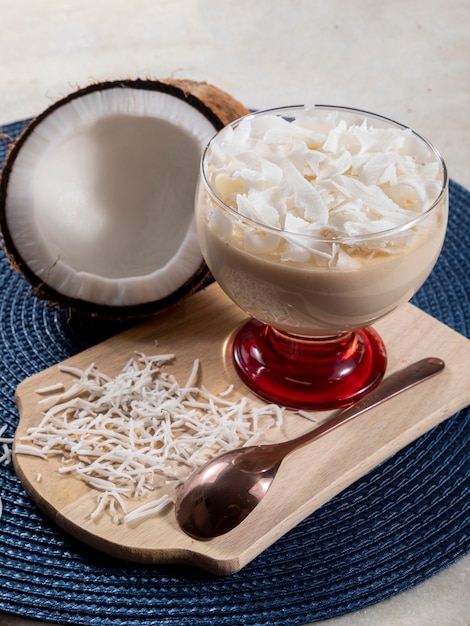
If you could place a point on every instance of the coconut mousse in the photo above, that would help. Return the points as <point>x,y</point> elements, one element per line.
<point>323,219</point>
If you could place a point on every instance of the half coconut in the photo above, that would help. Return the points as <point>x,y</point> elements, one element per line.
<point>97,195</point>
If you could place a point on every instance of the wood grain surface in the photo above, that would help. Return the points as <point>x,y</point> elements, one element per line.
<point>201,326</point>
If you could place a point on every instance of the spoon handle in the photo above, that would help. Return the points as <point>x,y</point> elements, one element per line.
<point>389,387</point>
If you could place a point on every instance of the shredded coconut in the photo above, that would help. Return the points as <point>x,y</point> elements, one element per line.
<point>141,432</point>
<point>319,176</point>
<point>5,454</point>
<point>50,388</point>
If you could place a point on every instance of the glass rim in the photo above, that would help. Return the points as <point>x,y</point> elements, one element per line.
<point>339,237</point>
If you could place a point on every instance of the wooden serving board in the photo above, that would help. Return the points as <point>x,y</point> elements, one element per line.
<point>201,326</point>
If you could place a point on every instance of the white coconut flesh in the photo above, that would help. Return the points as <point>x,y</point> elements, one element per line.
<point>101,195</point>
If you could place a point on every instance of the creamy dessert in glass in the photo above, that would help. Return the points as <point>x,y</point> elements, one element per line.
<point>318,221</point>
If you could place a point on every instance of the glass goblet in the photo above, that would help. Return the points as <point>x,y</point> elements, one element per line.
<point>375,193</point>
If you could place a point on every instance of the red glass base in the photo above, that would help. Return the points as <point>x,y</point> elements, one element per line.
<point>308,373</point>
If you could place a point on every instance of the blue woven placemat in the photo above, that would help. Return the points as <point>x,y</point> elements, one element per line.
<point>397,526</point>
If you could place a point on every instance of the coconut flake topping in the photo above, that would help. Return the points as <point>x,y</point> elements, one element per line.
<point>321,174</point>
<point>140,433</point>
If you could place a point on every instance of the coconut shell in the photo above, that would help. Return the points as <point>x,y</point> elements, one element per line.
<point>215,104</point>
<point>219,102</point>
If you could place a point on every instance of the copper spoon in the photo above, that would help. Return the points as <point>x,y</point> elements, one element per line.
<point>219,495</point>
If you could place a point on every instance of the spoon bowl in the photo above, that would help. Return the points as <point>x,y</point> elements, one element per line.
<point>218,496</point>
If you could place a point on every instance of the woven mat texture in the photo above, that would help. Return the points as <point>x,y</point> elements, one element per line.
<point>400,524</point>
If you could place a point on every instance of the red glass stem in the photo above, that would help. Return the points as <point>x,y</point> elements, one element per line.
<point>308,373</point>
